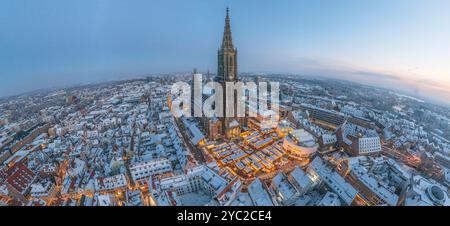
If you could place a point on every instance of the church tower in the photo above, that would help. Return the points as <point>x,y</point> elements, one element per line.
<point>227,72</point>
<point>227,56</point>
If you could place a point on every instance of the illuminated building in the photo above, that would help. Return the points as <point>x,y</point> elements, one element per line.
<point>284,127</point>
<point>264,121</point>
<point>300,144</point>
<point>214,128</point>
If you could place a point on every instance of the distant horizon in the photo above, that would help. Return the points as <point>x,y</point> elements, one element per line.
<point>398,45</point>
<point>143,76</point>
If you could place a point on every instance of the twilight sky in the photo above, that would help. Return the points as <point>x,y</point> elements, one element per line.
<point>400,44</point>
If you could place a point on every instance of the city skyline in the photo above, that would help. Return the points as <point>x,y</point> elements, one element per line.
<point>296,142</point>
<point>398,45</point>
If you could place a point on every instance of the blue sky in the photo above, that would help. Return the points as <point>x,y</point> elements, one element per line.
<point>401,44</point>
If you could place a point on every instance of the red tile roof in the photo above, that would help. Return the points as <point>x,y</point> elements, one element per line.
<point>20,177</point>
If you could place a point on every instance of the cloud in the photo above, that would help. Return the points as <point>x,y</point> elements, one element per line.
<point>377,75</point>
<point>406,82</point>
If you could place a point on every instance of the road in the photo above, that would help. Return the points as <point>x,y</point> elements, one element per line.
<point>196,152</point>
<point>396,154</point>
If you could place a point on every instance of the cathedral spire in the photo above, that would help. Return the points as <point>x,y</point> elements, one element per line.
<point>227,42</point>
